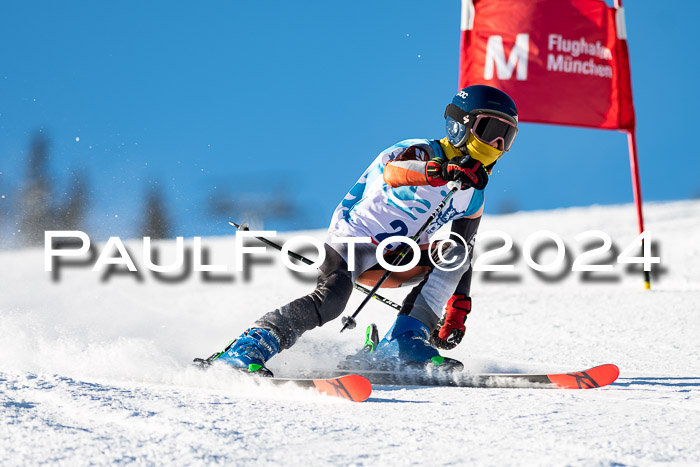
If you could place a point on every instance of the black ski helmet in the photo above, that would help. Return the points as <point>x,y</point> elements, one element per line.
<point>478,99</point>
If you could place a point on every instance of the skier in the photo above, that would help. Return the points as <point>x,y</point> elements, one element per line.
<point>394,196</point>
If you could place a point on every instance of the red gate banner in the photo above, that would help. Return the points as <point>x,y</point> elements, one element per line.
<point>562,61</point>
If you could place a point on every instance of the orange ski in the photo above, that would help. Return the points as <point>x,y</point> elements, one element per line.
<point>352,387</point>
<point>355,388</point>
<point>592,378</point>
<point>595,377</point>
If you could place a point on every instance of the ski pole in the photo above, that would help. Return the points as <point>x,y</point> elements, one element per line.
<point>306,260</point>
<point>349,321</point>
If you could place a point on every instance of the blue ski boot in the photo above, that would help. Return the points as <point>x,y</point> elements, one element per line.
<point>251,350</point>
<point>405,346</point>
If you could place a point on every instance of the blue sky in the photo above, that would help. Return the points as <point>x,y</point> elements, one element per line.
<point>255,100</point>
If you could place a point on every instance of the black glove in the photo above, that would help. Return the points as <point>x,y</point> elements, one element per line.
<point>464,170</point>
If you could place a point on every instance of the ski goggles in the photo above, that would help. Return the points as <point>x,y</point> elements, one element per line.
<point>490,129</point>
<point>487,128</point>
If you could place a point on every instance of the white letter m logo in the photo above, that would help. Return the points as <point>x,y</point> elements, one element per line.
<point>496,56</point>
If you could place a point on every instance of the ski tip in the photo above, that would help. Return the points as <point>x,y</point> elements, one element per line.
<point>612,370</point>
<point>595,377</point>
<point>351,387</point>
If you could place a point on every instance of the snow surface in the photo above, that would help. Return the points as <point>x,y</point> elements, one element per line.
<point>98,372</point>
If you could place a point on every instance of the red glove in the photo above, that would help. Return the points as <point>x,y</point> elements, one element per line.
<point>450,329</point>
<point>464,170</point>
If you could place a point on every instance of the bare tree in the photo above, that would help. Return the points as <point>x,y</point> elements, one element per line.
<point>35,200</point>
<point>39,209</point>
<point>7,210</point>
<point>71,214</point>
<point>156,223</point>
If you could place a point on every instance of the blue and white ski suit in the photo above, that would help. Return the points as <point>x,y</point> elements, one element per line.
<point>392,197</point>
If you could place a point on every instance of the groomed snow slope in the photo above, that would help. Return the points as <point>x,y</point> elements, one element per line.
<point>98,372</point>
